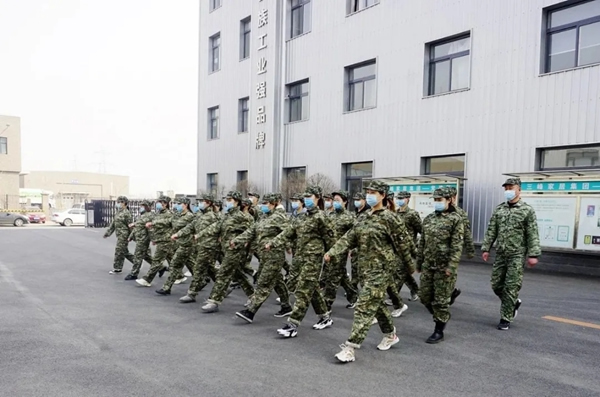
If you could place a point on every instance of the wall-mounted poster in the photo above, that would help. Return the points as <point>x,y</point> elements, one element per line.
<point>588,234</point>
<point>556,219</point>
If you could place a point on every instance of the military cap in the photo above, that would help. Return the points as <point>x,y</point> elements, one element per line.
<point>165,199</point>
<point>182,200</point>
<point>146,202</point>
<point>390,194</point>
<point>359,196</point>
<point>253,194</point>
<point>270,198</point>
<point>453,191</point>
<point>442,192</point>
<point>512,181</point>
<point>342,193</point>
<point>328,196</point>
<point>297,196</point>
<point>122,199</point>
<point>377,186</point>
<point>279,196</point>
<point>207,197</point>
<point>316,190</point>
<point>247,202</point>
<point>234,194</point>
<point>403,194</point>
<point>218,203</point>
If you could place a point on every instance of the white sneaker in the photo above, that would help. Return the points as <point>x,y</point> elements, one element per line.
<point>388,341</point>
<point>346,355</point>
<point>414,297</point>
<point>398,312</point>
<point>374,321</point>
<point>324,322</point>
<point>210,307</point>
<point>278,300</point>
<point>180,281</point>
<point>143,282</point>
<point>388,302</point>
<point>188,274</point>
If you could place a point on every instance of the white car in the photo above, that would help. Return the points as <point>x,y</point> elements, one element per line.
<point>74,216</point>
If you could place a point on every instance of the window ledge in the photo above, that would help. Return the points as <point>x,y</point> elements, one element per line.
<point>244,59</point>
<point>295,37</point>
<point>360,110</point>
<point>214,71</point>
<point>592,65</point>
<point>296,122</point>
<point>242,132</point>
<point>212,139</point>
<point>447,93</point>
<point>215,9</point>
<point>364,9</point>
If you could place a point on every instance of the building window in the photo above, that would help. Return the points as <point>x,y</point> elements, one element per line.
<point>212,183</point>
<point>242,182</point>
<point>213,123</point>
<point>300,17</point>
<point>3,145</point>
<point>214,4</point>
<point>245,25</point>
<point>573,36</point>
<point>215,53</point>
<point>362,86</point>
<point>294,182</point>
<point>243,111</point>
<point>353,6</point>
<point>448,165</point>
<point>570,157</point>
<point>298,101</point>
<point>449,65</point>
<point>354,175</point>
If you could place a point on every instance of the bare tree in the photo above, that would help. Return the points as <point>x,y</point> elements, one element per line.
<point>291,184</point>
<point>323,181</point>
<point>245,187</point>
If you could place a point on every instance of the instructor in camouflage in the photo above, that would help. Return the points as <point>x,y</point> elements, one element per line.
<point>469,247</point>
<point>141,236</point>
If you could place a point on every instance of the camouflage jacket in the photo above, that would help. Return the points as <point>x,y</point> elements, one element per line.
<point>340,222</point>
<point>295,218</point>
<point>232,224</point>
<point>261,232</point>
<point>412,220</point>
<point>180,221</point>
<point>441,243</point>
<point>120,224</point>
<point>468,242</point>
<point>161,227</point>
<point>140,232</point>
<point>313,235</point>
<point>514,229</point>
<point>203,219</point>
<point>380,239</point>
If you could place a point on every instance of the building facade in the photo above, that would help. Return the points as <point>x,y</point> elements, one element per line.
<point>10,161</point>
<point>355,89</point>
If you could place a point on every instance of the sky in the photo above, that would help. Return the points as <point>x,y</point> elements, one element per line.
<point>104,86</point>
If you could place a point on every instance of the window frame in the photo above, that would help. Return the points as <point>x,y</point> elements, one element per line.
<point>350,83</point>
<point>348,178</point>
<point>350,4</point>
<point>426,165</point>
<point>243,115</point>
<point>540,158</point>
<point>577,25</point>
<point>210,178</point>
<point>245,52</point>
<point>292,98</point>
<point>431,62</point>
<point>4,144</point>
<point>212,49</point>
<point>215,5</point>
<point>210,118</point>
<point>306,27</point>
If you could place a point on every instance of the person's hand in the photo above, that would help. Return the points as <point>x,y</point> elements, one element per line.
<point>289,251</point>
<point>532,262</point>
<point>448,272</point>
<point>154,243</point>
<point>485,256</point>
<point>327,258</point>
<point>129,240</point>
<point>132,224</point>
<point>174,237</point>
<point>268,247</point>
<point>195,237</point>
<point>148,225</point>
<point>104,236</point>
<point>232,244</point>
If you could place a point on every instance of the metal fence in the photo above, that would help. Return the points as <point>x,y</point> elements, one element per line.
<point>100,213</point>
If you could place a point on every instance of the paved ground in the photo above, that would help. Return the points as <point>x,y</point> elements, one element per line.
<point>67,328</point>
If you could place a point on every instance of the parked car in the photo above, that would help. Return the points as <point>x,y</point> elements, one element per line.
<point>13,218</point>
<point>35,216</point>
<point>70,217</point>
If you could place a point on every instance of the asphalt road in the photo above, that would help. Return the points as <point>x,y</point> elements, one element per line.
<point>68,328</point>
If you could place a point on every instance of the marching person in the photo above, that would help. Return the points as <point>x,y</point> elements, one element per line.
<point>380,238</point>
<point>413,223</point>
<point>469,247</point>
<point>361,208</point>
<point>141,235</point>
<point>440,248</point>
<point>298,215</point>
<point>513,227</point>
<point>120,226</point>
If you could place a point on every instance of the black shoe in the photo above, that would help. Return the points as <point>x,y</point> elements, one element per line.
<point>207,280</point>
<point>517,306</point>
<point>163,291</point>
<point>162,271</point>
<point>429,308</point>
<point>130,277</point>
<point>455,295</point>
<point>254,277</point>
<point>234,285</point>
<point>438,333</point>
<point>284,312</point>
<point>504,325</point>
<point>246,315</point>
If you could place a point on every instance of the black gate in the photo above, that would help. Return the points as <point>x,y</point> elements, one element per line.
<point>100,213</point>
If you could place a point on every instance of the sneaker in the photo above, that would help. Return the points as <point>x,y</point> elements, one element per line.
<point>388,302</point>
<point>210,307</point>
<point>180,281</point>
<point>162,271</point>
<point>187,299</point>
<point>283,313</point>
<point>398,312</point>
<point>188,274</point>
<point>143,282</point>
<point>246,315</point>
<point>324,322</point>
<point>504,325</point>
<point>374,321</point>
<point>454,295</point>
<point>163,291</point>
<point>346,355</point>
<point>278,301</point>
<point>351,305</point>
<point>414,296</point>
<point>388,341</point>
<point>517,306</point>
<point>288,331</point>
<point>130,277</point>
<point>115,271</point>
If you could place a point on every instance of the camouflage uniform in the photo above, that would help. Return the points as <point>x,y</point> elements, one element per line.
<point>141,236</point>
<point>412,220</point>
<point>259,233</point>
<point>295,219</point>
<point>160,234</point>
<point>469,246</point>
<point>120,226</point>
<point>513,227</point>
<point>360,215</point>
<point>380,238</point>
<point>439,253</point>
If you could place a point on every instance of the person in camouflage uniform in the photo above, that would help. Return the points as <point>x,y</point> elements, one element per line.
<point>184,247</point>
<point>141,236</point>
<point>341,220</point>
<point>254,197</point>
<point>160,232</point>
<point>513,227</point>
<point>362,208</point>
<point>247,209</point>
<point>234,223</point>
<point>120,226</point>
<point>440,248</point>
<point>328,203</point>
<point>412,220</point>
<point>380,238</point>
<point>298,215</point>
<point>269,226</point>
<point>313,236</point>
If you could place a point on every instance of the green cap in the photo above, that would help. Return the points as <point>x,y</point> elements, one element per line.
<point>342,193</point>
<point>403,195</point>
<point>359,196</point>
<point>164,199</point>
<point>207,197</point>
<point>442,192</point>
<point>316,190</point>
<point>234,194</point>
<point>512,181</point>
<point>377,186</point>
<point>182,200</point>
<point>122,199</point>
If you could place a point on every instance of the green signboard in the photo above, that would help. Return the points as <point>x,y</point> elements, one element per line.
<point>420,187</point>
<point>562,186</point>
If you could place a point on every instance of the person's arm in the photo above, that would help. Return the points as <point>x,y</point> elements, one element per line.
<point>491,234</point>
<point>421,252</point>
<point>456,246</point>
<point>534,249</point>
<point>347,242</point>
<point>247,237</point>
<point>468,241</point>
<point>284,237</point>
<point>110,230</point>
<point>401,240</point>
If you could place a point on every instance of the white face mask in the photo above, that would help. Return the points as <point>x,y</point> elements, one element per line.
<point>510,195</point>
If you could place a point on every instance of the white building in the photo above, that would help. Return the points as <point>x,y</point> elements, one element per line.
<point>390,88</point>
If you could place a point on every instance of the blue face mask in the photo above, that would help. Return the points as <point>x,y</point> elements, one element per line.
<point>400,203</point>
<point>201,206</point>
<point>309,203</point>
<point>439,206</point>
<point>372,200</point>
<point>295,205</point>
<point>510,195</point>
<point>265,208</point>
<point>159,206</point>
<point>337,205</point>
<point>142,210</point>
<point>228,206</point>
<point>358,204</point>
<point>327,204</point>
<point>194,208</point>
<point>178,207</point>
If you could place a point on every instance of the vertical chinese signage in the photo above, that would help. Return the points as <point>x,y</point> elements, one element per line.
<point>261,85</point>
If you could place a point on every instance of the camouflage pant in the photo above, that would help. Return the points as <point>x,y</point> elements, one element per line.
<point>307,290</point>
<point>507,278</point>
<point>405,276</point>
<point>292,280</point>
<point>270,278</point>
<point>354,268</point>
<point>231,268</point>
<point>184,256</point>
<point>122,253</point>
<point>164,251</point>
<point>142,252</point>
<point>369,305</point>
<point>204,266</point>
<point>338,277</point>
<point>436,291</point>
<point>393,290</point>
